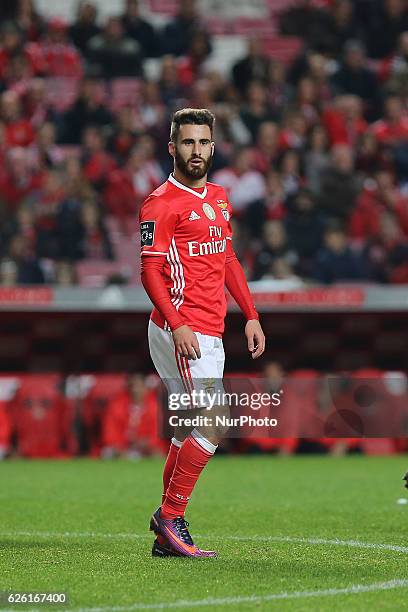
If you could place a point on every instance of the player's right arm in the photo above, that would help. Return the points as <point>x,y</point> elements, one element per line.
<point>157,224</point>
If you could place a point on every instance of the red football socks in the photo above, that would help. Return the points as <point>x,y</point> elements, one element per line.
<point>169,466</point>
<point>167,474</point>
<point>191,460</point>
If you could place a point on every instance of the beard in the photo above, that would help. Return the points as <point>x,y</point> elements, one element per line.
<point>192,172</point>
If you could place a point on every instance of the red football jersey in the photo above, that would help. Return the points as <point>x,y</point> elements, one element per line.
<point>191,228</point>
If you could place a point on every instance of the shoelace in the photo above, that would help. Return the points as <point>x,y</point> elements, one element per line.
<point>182,525</point>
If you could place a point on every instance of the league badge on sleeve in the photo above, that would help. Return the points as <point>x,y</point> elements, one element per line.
<point>147,233</point>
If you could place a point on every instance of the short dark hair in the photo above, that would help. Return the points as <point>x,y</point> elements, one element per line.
<point>190,116</point>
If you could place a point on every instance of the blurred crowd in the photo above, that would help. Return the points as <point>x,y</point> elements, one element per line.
<point>313,152</point>
<point>119,415</point>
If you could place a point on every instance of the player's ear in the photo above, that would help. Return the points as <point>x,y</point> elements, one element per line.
<point>171,148</point>
<point>212,148</point>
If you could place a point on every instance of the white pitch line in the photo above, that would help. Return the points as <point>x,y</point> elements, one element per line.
<point>232,538</point>
<point>354,589</point>
<point>229,601</point>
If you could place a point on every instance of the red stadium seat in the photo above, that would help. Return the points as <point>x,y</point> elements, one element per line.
<point>39,417</point>
<point>124,92</point>
<point>99,390</point>
<point>94,273</point>
<point>62,92</point>
<point>283,48</point>
<point>166,7</point>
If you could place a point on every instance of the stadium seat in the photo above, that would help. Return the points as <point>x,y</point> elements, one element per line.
<point>94,273</point>
<point>39,417</point>
<point>98,391</point>
<point>283,48</point>
<point>61,92</point>
<point>124,92</point>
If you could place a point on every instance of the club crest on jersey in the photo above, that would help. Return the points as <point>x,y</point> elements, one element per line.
<point>226,215</point>
<point>209,211</point>
<point>222,204</point>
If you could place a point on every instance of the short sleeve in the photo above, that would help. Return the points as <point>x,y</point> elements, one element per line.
<point>157,223</point>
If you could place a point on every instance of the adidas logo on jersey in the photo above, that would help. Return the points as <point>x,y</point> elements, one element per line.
<point>194,216</point>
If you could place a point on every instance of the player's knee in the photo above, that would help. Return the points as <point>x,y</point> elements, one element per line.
<point>217,423</point>
<point>222,414</point>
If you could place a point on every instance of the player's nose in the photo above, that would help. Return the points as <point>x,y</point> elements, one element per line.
<point>197,149</point>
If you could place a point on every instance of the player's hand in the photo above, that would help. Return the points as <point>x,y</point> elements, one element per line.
<point>186,342</point>
<point>255,337</point>
<point>406,480</point>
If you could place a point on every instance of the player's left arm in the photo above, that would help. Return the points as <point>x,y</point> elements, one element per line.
<point>237,285</point>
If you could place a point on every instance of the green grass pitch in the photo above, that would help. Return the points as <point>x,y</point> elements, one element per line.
<point>292,534</point>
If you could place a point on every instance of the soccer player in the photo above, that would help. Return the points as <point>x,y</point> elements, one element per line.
<point>187,260</point>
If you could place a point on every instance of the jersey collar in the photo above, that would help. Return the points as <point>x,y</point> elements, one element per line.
<point>185,188</point>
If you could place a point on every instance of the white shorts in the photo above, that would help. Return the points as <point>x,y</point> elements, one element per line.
<point>194,377</point>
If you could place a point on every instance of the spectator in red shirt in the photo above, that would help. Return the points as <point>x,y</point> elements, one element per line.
<point>18,178</point>
<point>344,120</point>
<point>19,131</point>
<point>293,132</point>
<point>375,200</point>
<point>127,188</point>
<point>12,46</point>
<point>35,105</point>
<point>393,128</point>
<point>61,57</point>
<point>124,136</point>
<point>97,162</point>
<point>131,422</point>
